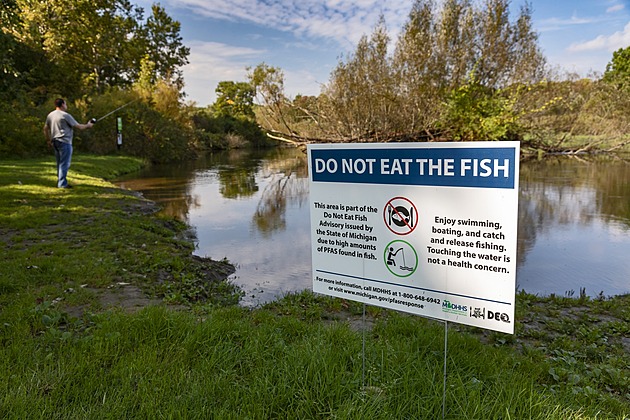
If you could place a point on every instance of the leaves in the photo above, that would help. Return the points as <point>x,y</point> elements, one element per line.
<point>618,70</point>
<point>235,99</point>
<point>97,43</point>
<point>446,76</point>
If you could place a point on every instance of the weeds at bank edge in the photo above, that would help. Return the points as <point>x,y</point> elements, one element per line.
<point>299,357</point>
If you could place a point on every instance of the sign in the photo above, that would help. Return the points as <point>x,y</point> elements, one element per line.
<point>424,228</point>
<point>118,132</point>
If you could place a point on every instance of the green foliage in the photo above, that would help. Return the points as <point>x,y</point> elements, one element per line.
<point>21,133</point>
<point>94,45</point>
<point>618,70</point>
<point>268,82</point>
<point>164,46</point>
<point>362,90</point>
<point>51,49</point>
<point>9,74</point>
<point>234,100</point>
<point>552,113</point>
<point>92,53</point>
<point>421,89</point>
<point>159,138</point>
<point>230,122</point>
<point>227,132</point>
<point>375,94</point>
<point>73,37</point>
<point>148,131</point>
<point>477,113</point>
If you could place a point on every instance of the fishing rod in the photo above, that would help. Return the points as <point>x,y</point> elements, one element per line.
<point>94,120</point>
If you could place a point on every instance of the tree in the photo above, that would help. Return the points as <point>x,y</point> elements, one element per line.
<point>235,100</point>
<point>165,47</point>
<point>268,82</point>
<point>618,70</point>
<point>361,91</point>
<point>476,112</point>
<point>414,64</point>
<point>96,44</point>
<point>92,42</point>
<point>9,73</point>
<point>9,17</point>
<point>439,50</point>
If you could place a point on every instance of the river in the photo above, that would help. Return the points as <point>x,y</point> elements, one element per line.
<point>252,207</point>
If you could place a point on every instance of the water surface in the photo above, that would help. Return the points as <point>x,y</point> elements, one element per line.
<point>252,208</point>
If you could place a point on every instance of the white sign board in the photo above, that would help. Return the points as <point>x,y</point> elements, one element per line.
<point>425,228</point>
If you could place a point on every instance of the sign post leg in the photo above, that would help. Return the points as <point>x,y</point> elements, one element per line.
<point>363,367</point>
<point>445,359</point>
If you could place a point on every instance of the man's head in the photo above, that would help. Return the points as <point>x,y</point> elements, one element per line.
<point>59,103</point>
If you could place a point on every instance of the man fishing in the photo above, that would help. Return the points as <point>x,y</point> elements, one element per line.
<point>59,130</point>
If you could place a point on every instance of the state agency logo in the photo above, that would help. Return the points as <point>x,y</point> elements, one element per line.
<point>453,308</point>
<point>481,313</point>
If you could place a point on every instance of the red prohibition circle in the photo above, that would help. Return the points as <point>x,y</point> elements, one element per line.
<point>402,217</point>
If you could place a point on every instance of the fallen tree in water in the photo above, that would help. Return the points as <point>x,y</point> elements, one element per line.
<point>529,148</point>
<point>301,141</point>
<point>571,147</point>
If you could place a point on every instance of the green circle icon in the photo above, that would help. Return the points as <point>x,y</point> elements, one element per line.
<point>400,258</point>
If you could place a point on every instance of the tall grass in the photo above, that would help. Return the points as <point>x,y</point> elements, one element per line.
<point>159,363</point>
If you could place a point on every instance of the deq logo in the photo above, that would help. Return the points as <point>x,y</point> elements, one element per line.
<point>481,313</point>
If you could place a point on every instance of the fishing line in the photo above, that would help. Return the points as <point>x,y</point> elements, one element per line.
<point>94,120</point>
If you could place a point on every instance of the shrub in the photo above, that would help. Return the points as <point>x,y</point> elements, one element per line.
<point>474,113</point>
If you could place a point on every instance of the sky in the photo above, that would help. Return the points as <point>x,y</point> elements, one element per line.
<point>307,38</point>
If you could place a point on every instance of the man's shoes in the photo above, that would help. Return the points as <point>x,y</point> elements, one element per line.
<point>67,186</point>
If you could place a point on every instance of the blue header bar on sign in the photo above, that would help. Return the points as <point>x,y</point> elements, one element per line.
<point>483,167</point>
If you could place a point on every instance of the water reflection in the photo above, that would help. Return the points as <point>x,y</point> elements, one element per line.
<point>288,184</point>
<point>252,207</point>
<point>574,226</point>
<point>248,206</point>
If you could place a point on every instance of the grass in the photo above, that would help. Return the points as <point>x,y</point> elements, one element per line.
<point>187,351</point>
